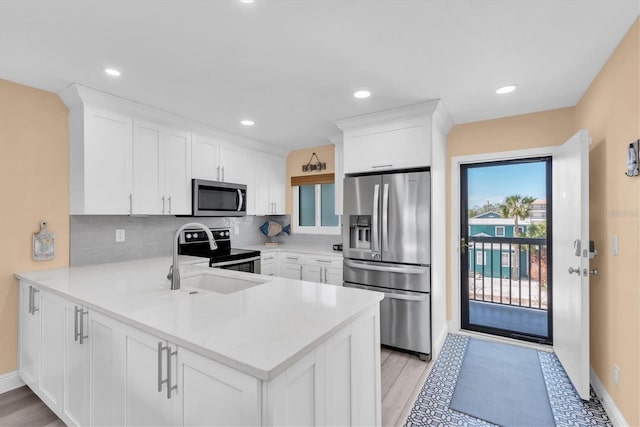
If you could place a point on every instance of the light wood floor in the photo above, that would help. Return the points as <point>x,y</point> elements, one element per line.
<point>403,375</point>
<point>402,378</point>
<point>20,407</point>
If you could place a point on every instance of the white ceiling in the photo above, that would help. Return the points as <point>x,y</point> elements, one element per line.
<point>293,65</point>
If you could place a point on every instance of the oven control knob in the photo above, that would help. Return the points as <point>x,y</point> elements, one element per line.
<point>226,233</point>
<point>188,236</point>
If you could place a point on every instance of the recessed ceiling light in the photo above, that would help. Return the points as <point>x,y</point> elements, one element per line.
<point>246,1</point>
<point>247,123</point>
<point>112,72</point>
<point>362,94</point>
<point>506,89</point>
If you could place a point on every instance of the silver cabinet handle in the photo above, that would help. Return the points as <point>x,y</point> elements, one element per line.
<point>33,301</point>
<point>324,260</point>
<point>30,299</point>
<point>131,203</point>
<point>385,217</point>
<point>82,335</point>
<point>169,199</point>
<point>321,275</point>
<point>375,246</point>
<point>574,270</point>
<point>300,272</point>
<point>268,258</point>
<point>223,174</point>
<point>76,334</point>
<point>163,204</point>
<point>275,207</point>
<point>218,173</point>
<point>381,166</point>
<point>161,348</point>
<point>295,258</point>
<point>240,200</point>
<point>170,387</point>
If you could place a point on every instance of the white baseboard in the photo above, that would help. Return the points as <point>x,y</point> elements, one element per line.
<point>608,404</point>
<point>10,381</point>
<point>438,343</point>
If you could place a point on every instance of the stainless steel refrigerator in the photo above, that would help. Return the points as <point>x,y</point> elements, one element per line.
<point>387,248</point>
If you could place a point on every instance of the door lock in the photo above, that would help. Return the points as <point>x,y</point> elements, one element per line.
<point>464,245</point>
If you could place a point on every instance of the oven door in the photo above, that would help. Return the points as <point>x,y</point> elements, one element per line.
<point>212,198</point>
<point>248,265</point>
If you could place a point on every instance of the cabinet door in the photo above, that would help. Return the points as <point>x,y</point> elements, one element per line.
<point>233,164</point>
<point>205,158</point>
<point>176,171</point>
<point>333,276</point>
<point>145,400</point>
<point>107,167</point>
<point>216,395</point>
<point>277,184</point>
<point>290,271</point>
<point>106,370</point>
<point>262,165</point>
<point>29,339</point>
<point>268,269</point>
<point>76,365</point>
<point>147,196</point>
<point>296,397</point>
<point>312,273</point>
<point>51,349</point>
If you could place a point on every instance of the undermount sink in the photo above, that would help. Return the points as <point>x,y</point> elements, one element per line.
<point>218,284</point>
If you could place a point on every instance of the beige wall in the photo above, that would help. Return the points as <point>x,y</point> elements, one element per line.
<point>33,186</point>
<point>297,158</point>
<point>610,109</point>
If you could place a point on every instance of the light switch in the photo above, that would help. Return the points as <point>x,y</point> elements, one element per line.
<point>614,245</point>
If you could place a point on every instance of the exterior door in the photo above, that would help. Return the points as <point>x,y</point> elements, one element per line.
<point>571,258</point>
<point>405,224</point>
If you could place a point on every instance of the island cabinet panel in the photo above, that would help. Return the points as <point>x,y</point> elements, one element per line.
<point>149,373</point>
<point>105,373</point>
<point>215,395</point>
<point>29,336</point>
<point>76,365</point>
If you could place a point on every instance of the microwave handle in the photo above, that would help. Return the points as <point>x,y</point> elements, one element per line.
<point>240,199</point>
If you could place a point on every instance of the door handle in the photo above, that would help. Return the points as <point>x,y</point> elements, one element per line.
<point>240,200</point>
<point>594,271</point>
<point>375,244</point>
<point>464,245</point>
<point>385,217</point>
<point>218,173</point>
<point>33,301</point>
<point>161,348</point>
<point>163,204</point>
<point>76,334</point>
<point>170,387</point>
<point>169,200</point>
<point>405,297</point>
<point>389,269</point>
<point>30,299</point>
<point>300,272</point>
<point>82,335</point>
<point>574,270</point>
<point>223,174</point>
<point>131,203</point>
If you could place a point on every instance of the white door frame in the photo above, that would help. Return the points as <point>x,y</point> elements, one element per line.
<point>454,324</point>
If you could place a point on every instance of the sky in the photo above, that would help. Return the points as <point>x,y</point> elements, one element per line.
<point>495,183</point>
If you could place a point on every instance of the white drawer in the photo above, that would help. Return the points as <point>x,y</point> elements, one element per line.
<point>324,261</point>
<point>290,258</point>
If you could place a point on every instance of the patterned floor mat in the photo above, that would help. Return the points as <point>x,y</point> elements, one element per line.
<point>432,405</point>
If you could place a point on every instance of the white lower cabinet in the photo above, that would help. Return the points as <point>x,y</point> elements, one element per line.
<point>93,370</point>
<point>41,352</point>
<point>268,263</point>
<point>313,268</point>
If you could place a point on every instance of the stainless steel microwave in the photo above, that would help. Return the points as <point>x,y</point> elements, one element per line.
<point>214,198</point>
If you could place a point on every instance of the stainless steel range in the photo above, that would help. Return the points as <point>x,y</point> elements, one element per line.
<point>387,248</point>
<point>195,243</point>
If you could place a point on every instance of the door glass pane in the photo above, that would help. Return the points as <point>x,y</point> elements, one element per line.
<point>307,208</point>
<point>328,217</point>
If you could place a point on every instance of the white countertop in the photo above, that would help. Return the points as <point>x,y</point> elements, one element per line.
<point>260,330</point>
<point>307,248</point>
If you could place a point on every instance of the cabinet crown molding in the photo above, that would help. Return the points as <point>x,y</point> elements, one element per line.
<point>418,111</point>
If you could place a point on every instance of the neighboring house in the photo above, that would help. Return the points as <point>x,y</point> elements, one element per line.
<point>539,211</point>
<point>497,259</point>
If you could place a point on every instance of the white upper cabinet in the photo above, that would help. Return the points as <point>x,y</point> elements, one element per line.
<point>394,139</point>
<point>100,159</point>
<point>205,158</point>
<point>161,170</point>
<point>233,162</point>
<point>269,183</point>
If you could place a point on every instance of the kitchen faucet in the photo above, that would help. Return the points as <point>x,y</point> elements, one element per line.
<point>174,270</point>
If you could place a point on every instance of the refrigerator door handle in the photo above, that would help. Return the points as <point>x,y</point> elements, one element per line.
<point>375,245</point>
<point>405,297</point>
<point>386,268</point>
<point>385,217</point>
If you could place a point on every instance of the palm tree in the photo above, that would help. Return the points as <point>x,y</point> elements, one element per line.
<point>516,207</point>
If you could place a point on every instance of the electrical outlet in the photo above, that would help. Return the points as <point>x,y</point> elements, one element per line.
<point>615,245</point>
<point>616,376</point>
<point>236,229</point>
<point>120,235</point>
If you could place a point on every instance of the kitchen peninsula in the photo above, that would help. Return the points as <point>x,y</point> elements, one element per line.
<point>112,344</point>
